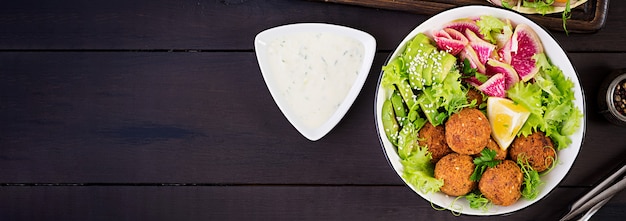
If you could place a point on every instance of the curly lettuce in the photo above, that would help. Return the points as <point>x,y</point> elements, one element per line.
<point>419,171</point>
<point>492,28</point>
<point>550,99</point>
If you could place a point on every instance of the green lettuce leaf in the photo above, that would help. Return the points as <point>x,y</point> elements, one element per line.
<point>394,75</point>
<point>557,113</point>
<point>542,7</point>
<point>550,100</point>
<point>532,124</point>
<point>572,122</point>
<point>560,141</point>
<point>490,26</point>
<point>527,95</point>
<point>419,171</point>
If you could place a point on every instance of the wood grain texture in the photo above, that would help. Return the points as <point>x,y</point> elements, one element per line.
<point>213,25</point>
<point>146,117</point>
<point>156,110</point>
<point>171,118</point>
<point>253,203</point>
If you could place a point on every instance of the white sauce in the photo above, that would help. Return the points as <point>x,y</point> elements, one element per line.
<point>314,72</point>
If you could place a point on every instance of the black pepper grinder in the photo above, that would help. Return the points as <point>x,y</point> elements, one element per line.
<point>612,97</point>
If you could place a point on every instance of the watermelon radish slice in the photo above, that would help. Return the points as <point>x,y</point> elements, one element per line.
<point>505,52</point>
<point>524,45</point>
<point>464,24</point>
<point>482,48</point>
<point>496,67</point>
<point>471,55</point>
<point>494,87</point>
<point>450,40</point>
<point>473,81</point>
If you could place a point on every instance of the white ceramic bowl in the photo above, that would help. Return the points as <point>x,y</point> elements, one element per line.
<point>558,57</point>
<point>262,46</point>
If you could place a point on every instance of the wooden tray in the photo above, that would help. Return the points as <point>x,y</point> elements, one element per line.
<point>586,18</point>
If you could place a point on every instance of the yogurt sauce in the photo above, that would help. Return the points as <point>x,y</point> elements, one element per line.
<point>314,72</point>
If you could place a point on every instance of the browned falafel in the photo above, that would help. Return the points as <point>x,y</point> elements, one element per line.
<point>537,148</point>
<point>473,94</point>
<point>500,153</point>
<point>455,171</point>
<point>435,139</point>
<point>502,183</point>
<point>468,131</point>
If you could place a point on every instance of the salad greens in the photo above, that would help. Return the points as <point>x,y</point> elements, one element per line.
<point>550,101</point>
<point>567,14</point>
<point>419,172</point>
<point>542,6</point>
<point>477,201</point>
<point>432,74</point>
<point>424,81</point>
<point>425,85</point>
<point>493,28</point>
<point>532,181</point>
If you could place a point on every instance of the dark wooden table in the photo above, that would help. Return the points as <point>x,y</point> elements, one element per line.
<point>157,110</point>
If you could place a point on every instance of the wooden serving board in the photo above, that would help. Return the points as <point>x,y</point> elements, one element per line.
<point>586,18</point>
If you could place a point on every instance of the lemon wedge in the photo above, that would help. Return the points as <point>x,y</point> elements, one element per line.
<point>506,119</point>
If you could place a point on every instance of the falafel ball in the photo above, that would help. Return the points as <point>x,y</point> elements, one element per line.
<point>435,139</point>
<point>468,131</point>
<point>502,183</point>
<point>455,171</point>
<point>536,148</point>
<point>500,153</point>
<point>473,94</point>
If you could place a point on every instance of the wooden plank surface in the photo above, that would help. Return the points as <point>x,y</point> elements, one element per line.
<point>111,117</point>
<point>215,25</point>
<point>156,110</point>
<point>253,203</point>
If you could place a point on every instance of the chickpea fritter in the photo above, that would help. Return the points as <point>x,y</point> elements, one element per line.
<point>435,139</point>
<point>468,131</point>
<point>502,183</point>
<point>455,171</point>
<point>473,94</point>
<point>536,148</point>
<point>500,153</point>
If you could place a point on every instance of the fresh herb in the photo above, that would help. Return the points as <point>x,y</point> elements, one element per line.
<point>477,201</point>
<point>567,14</point>
<point>486,159</point>
<point>469,72</point>
<point>530,186</point>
